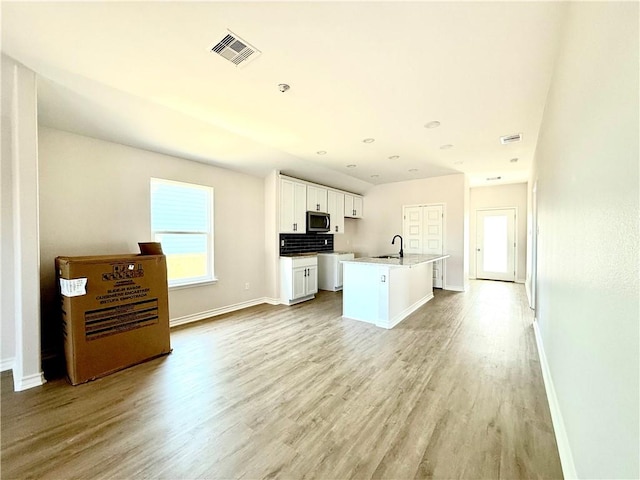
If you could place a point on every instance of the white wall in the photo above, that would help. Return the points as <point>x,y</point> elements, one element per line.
<point>383,219</point>
<point>20,256</point>
<point>344,241</point>
<point>94,199</point>
<point>7,312</point>
<point>271,237</point>
<point>586,167</point>
<point>501,196</point>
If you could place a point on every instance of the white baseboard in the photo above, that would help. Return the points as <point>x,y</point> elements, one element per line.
<point>564,448</point>
<point>195,317</point>
<point>6,364</point>
<point>30,381</point>
<point>392,322</point>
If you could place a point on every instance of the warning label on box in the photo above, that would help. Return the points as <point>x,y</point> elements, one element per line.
<point>123,291</point>
<point>112,320</point>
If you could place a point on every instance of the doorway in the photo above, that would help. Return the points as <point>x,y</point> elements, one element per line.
<point>496,244</point>
<point>423,233</point>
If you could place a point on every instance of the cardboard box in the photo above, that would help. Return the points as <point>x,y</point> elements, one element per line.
<point>115,312</point>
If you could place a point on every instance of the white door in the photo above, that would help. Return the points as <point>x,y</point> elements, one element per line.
<point>412,229</point>
<point>423,232</point>
<point>312,280</point>
<point>433,217</point>
<point>299,282</point>
<point>335,208</point>
<point>496,244</point>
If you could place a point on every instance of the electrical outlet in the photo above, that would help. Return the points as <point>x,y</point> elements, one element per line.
<point>246,286</point>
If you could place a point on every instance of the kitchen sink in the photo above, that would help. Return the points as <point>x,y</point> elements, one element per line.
<point>387,256</point>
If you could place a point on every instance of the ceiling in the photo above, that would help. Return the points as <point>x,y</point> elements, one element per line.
<point>142,74</point>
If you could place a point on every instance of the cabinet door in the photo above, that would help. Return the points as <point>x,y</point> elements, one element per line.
<point>357,207</point>
<point>316,199</point>
<point>299,207</point>
<point>348,205</point>
<point>312,280</point>
<point>299,282</point>
<point>335,208</point>
<point>287,204</point>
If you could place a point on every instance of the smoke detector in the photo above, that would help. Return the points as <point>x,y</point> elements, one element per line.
<point>511,138</point>
<point>235,49</point>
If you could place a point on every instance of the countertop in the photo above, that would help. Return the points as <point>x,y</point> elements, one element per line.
<point>408,260</point>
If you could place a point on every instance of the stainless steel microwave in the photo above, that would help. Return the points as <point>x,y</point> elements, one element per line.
<point>318,222</point>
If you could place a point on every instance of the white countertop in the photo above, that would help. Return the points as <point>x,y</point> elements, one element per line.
<point>408,260</point>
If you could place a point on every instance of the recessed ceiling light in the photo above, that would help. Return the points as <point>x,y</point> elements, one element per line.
<point>369,140</point>
<point>321,152</point>
<point>513,160</point>
<point>351,165</point>
<point>446,147</point>
<point>375,175</point>
<point>433,124</point>
<point>283,87</point>
<point>394,157</point>
<point>493,178</point>
<point>413,169</point>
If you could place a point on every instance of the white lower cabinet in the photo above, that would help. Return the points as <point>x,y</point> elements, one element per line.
<point>298,279</point>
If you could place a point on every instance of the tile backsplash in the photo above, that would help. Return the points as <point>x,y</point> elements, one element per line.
<point>303,243</point>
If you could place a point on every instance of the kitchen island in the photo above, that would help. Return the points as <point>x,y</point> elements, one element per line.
<point>385,290</point>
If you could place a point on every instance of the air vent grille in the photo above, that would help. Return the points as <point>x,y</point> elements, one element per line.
<point>235,49</point>
<point>511,138</point>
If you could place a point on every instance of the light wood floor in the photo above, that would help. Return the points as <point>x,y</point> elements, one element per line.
<point>454,391</point>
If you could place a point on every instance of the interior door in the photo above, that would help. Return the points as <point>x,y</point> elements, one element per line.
<point>496,244</point>
<point>412,229</point>
<point>433,219</point>
<point>423,232</point>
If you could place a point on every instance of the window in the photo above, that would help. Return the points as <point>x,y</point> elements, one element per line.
<point>182,221</point>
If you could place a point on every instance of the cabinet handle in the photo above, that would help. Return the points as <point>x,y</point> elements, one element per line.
<point>336,228</point>
<point>295,227</point>
<point>317,207</point>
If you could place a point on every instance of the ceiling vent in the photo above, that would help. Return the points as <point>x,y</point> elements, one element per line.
<point>235,49</point>
<point>510,138</point>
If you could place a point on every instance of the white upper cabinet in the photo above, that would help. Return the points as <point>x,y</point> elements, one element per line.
<point>335,209</point>
<point>293,206</point>
<point>316,199</point>
<point>298,197</point>
<point>353,206</point>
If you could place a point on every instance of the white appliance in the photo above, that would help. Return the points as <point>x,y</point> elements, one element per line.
<point>330,269</point>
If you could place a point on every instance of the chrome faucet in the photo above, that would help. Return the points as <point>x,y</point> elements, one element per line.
<point>393,242</point>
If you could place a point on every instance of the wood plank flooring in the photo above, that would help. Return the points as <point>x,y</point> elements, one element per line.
<point>454,391</point>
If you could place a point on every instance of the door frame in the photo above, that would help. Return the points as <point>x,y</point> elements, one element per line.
<point>515,239</point>
<point>444,232</point>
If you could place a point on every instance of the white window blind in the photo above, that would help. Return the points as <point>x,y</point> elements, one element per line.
<point>182,221</point>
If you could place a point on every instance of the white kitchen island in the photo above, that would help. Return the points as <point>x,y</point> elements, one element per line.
<point>384,291</point>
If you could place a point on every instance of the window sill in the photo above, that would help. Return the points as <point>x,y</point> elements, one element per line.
<point>194,284</point>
